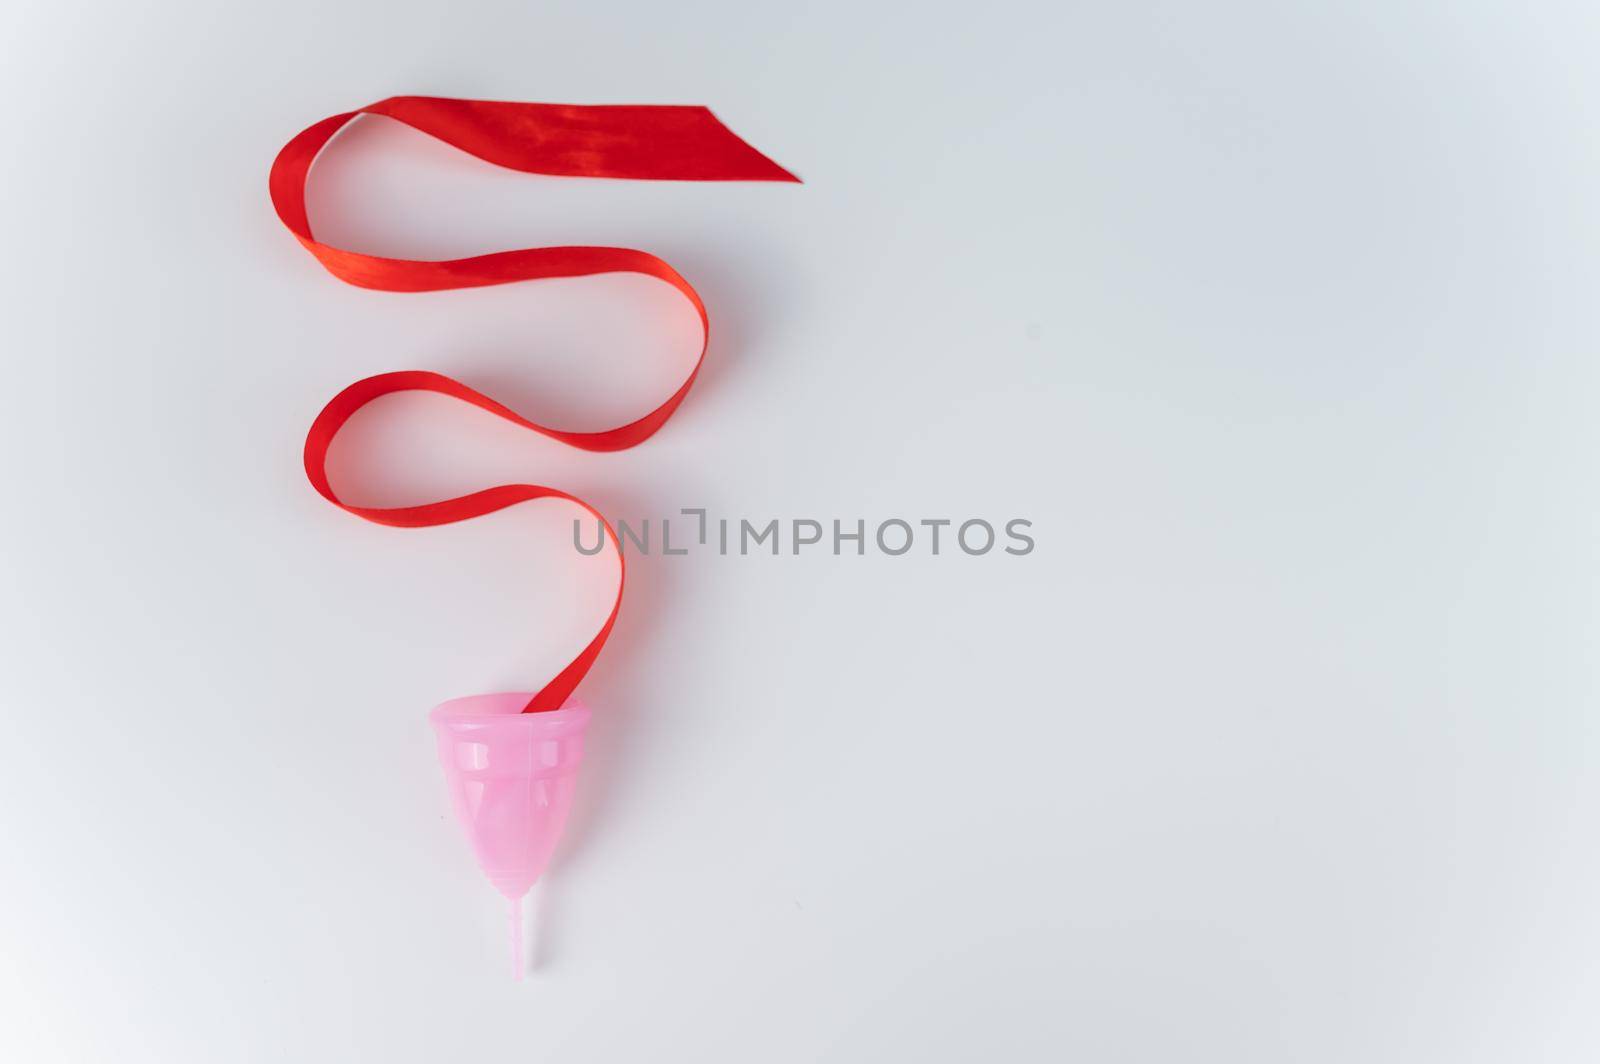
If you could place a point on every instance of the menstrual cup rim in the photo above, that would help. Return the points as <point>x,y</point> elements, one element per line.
<point>507,707</point>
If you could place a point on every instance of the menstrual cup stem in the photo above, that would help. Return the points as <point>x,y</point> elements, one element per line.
<point>517,963</point>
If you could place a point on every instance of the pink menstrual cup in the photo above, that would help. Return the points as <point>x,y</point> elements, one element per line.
<point>511,776</point>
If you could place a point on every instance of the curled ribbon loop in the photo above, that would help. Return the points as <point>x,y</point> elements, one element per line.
<point>640,142</point>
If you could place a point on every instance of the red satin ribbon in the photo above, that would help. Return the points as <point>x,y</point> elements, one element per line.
<point>644,142</point>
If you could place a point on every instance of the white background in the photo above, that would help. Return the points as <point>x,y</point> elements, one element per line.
<point>1277,320</point>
